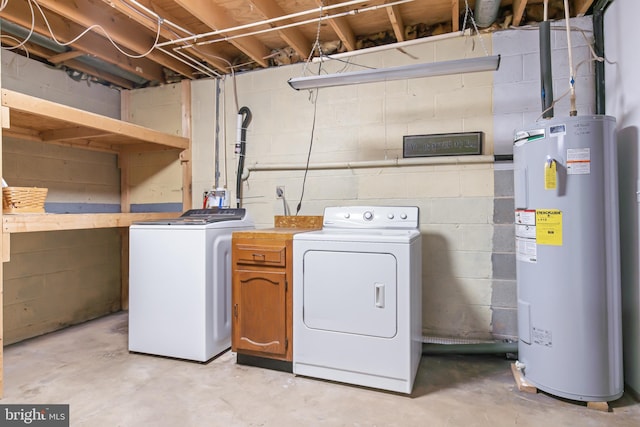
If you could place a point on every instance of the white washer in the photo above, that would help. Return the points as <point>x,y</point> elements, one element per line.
<point>357,292</point>
<point>180,283</point>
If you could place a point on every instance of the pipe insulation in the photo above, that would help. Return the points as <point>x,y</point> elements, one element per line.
<point>546,77</point>
<point>476,348</point>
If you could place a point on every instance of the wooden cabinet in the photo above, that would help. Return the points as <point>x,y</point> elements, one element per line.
<point>262,294</point>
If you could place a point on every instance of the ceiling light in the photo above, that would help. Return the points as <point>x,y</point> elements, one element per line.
<point>458,66</point>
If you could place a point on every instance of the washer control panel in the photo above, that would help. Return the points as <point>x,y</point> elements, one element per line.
<point>383,217</point>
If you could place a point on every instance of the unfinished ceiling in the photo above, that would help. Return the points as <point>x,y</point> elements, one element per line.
<point>137,43</point>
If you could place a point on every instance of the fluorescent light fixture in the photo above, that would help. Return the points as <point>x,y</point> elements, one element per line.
<point>458,66</point>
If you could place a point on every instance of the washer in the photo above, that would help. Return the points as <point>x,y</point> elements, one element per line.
<point>357,292</point>
<point>180,283</point>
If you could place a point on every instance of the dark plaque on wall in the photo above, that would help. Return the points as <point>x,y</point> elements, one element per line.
<point>442,144</point>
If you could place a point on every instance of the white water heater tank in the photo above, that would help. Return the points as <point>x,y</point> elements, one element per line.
<point>568,257</point>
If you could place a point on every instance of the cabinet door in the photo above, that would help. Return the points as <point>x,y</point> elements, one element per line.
<point>259,312</point>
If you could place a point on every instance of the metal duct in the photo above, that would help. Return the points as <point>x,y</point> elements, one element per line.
<point>22,33</point>
<point>486,12</point>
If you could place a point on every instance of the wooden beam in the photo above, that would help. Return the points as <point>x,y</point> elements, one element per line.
<point>521,382</point>
<point>6,247</point>
<point>455,15</point>
<point>393,12</point>
<point>90,43</point>
<point>124,163</point>
<point>185,156</point>
<point>216,17</point>
<point>124,268</point>
<point>292,36</point>
<point>54,222</point>
<point>518,11</point>
<point>581,7</point>
<point>206,52</point>
<point>65,56</point>
<point>342,28</point>
<point>119,28</point>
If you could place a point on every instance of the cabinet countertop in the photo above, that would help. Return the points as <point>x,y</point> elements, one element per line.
<point>270,233</point>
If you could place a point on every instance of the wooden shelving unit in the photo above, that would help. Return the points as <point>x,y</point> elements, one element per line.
<point>30,118</point>
<point>27,117</point>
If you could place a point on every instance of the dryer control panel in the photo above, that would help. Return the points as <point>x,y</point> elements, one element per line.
<point>379,217</point>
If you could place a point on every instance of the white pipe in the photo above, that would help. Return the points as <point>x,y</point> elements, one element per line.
<point>546,10</point>
<point>398,45</point>
<point>191,62</point>
<point>572,81</point>
<point>421,161</point>
<point>155,15</point>
<point>297,24</point>
<point>271,20</point>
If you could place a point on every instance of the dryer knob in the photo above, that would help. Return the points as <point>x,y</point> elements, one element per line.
<point>368,215</point>
<point>403,215</point>
<point>390,215</point>
<point>347,215</point>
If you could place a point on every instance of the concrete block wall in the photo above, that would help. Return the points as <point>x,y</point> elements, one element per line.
<point>366,123</point>
<point>155,177</point>
<point>59,278</point>
<point>56,279</point>
<point>516,90</point>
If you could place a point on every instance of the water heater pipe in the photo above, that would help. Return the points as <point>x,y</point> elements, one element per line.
<point>244,118</point>
<point>572,81</point>
<point>546,78</point>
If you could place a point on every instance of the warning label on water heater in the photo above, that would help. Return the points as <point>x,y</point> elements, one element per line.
<point>578,161</point>
<point>549,227</point>
<point>542,337</point>
<point>536,227</point>
<point>526,248</point>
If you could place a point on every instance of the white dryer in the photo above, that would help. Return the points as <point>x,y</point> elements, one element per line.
<point>180,283</point>
<point>357,293</point>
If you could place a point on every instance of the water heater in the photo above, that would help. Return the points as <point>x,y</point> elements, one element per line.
<point>567,257</point>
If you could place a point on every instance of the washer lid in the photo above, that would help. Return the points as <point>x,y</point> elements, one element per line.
<point>201,217</point>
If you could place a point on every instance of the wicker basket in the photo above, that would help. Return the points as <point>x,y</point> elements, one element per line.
<point>23,199</point>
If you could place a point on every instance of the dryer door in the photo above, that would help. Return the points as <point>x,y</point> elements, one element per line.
<point>350,292</point>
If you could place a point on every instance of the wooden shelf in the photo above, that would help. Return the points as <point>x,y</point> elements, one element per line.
<point>36,119</point>
<point>26,223</point>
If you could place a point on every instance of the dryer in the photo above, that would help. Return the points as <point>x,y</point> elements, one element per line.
<point>180,283</point>
<point>357,293</point>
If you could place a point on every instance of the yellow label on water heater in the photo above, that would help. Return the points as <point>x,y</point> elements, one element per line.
<point>550,174</point>
<point>549,227</point>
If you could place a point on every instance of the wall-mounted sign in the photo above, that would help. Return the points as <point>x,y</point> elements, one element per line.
<point>442,144</point>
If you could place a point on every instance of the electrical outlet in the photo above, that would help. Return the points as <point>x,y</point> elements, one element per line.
<point>279,191</point>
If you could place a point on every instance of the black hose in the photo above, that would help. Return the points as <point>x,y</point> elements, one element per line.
<point>246,112</point>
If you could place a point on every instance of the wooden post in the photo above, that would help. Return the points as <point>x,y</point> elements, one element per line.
<point>185,156</point>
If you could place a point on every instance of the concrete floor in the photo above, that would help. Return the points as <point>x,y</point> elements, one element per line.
<point>89,368</point>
